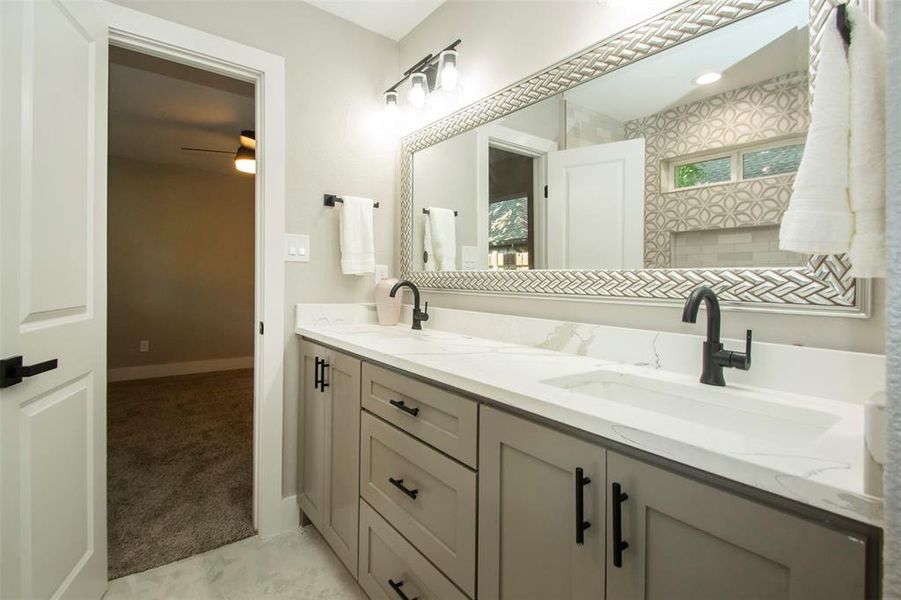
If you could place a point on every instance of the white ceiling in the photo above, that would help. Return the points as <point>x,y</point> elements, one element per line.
<point>756,49</point>
<point>157,106</point>
<point>391,18</point>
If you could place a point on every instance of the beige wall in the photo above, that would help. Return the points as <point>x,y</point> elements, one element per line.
<point>504,42</point>
<point>181,251</point>
<point>335,73</point>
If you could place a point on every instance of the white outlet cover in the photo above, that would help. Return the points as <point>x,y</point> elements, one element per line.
<point>381,272</point>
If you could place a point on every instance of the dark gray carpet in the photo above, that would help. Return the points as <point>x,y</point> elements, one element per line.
<point>180,467</point>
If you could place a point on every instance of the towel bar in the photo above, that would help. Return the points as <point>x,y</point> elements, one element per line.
<point>330,199</point>
<point>425,211</point>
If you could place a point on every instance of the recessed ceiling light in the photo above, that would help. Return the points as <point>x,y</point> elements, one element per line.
<point>708,78</point>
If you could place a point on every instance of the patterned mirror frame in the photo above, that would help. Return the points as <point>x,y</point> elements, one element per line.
<point>822,287</point>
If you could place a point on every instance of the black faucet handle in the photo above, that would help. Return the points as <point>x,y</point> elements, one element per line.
<point>424,315</point>
<point>743,360</point>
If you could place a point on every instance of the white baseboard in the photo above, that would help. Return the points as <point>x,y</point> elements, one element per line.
<point>180,368</point>
<point>284,517</point>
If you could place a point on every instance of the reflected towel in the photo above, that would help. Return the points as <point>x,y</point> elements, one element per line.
<point>441,229</point>
<point>866,167</point>
<point>819,218</point>
<point>357,238</point>
<point>428,252</point>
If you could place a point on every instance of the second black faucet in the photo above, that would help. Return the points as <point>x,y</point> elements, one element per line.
<point>418,315</point>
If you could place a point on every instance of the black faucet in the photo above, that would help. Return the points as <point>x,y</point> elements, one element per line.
<point>715,357</point>
<point>418,315</point>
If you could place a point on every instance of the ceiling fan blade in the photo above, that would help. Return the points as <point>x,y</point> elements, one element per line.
<point>207,150</point>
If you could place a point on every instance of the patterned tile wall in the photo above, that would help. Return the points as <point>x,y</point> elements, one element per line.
<point>753,114</point>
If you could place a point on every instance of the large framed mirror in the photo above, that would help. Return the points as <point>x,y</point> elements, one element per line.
<point>658,160</point>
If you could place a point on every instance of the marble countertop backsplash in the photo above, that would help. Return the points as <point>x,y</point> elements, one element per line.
<point>513,360</point>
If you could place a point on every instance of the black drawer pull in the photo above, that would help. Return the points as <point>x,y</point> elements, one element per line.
<point>402,406</point>
<point>316,375</point>
<point>581,523</point>
<point>618,543</point>
<point>396,585</point>
<point>399,484</point>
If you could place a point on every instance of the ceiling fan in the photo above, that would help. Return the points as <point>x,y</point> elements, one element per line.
<point>245,155</point>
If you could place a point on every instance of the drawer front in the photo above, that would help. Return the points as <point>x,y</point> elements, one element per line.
<point>429,498</point>
<point>444,420</point>
<point>391,568</point>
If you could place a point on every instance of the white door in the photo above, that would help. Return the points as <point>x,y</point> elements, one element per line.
<point>53,97</point>
<point>595,207</point>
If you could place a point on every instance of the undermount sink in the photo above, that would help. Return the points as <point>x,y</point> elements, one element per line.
<point>738,411</point>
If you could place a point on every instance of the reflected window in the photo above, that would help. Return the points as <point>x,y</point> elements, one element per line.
<point>703,172</point>
<point>771,161</point>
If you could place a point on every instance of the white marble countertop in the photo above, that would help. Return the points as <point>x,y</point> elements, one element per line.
<point>823,468</point>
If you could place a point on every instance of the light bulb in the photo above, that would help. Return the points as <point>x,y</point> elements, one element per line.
<point>245,160</point>
<point>391,104</point>
<point>447,66</point>
<point>418,90</point>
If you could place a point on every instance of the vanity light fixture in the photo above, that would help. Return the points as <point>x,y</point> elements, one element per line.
<point>432,72</point>
<point>708,78</point>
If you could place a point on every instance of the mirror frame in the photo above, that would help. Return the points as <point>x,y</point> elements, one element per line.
<point>823,286</point>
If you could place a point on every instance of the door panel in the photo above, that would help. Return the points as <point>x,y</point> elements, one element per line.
<point>691,541</point>
<point>595,207</point>
<point>527,512</point>
<point>52,298</point>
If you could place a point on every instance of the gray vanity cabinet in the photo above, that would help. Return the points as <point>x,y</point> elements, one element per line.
<point>529,500</point>
<point>329,471</point>
<point>687,540</point>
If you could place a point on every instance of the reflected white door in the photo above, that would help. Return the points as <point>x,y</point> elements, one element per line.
<point>595,207</point>
<point>53,78</point>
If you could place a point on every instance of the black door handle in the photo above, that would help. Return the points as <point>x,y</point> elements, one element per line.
<point>618,543</point>
<point>399,484</point>
<point>402,406</point>
<point>13,371</point>
<point>322,382</point>
<point>396,585</point>
<point>581,523</point>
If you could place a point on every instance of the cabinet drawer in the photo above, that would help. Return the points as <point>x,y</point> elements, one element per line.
<point>429,498</point>
<point>444,420</point>
<point>387,559</point>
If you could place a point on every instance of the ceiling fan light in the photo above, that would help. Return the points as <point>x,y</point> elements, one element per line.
<point>245,160</point>
<point>248,139</point>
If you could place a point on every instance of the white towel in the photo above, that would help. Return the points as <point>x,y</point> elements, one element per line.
<point>357,239</point>
<point>428,252</point>
<point>441,229</point>
<point>866,170</point>
<point>819,218</point>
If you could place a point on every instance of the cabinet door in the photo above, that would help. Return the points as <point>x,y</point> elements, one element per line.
<point>330,460</point>
<point>341,494</point>
<point>313,435</point>
<point>687,540</point>
<point>528,495</point>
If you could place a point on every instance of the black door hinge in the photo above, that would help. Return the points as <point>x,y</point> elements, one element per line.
<point>261,328</point>
<point>545,191</point>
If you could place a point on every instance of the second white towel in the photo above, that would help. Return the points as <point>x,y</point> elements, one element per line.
<point>440,234</point>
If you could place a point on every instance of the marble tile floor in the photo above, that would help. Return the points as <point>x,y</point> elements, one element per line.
<point>295,564</point>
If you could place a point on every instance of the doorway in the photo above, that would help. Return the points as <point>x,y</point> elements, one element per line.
<point>180,319</point>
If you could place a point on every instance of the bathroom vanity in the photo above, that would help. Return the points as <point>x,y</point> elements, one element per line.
<point>438,464</point>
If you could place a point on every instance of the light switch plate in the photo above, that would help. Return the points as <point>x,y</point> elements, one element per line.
<point>297,247</point>
<point>470,257</point>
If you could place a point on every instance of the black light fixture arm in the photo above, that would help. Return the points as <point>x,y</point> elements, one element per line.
<point>424,63</point>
